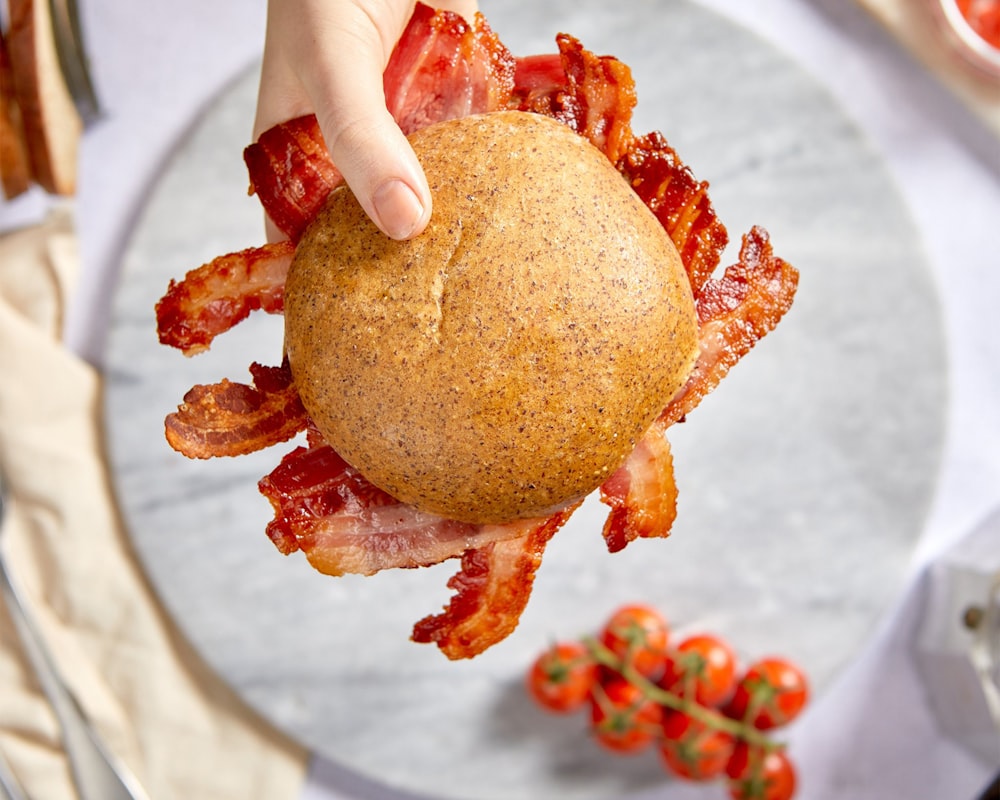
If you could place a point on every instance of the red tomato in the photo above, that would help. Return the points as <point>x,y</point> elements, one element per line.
<point>771,692</point>
<point>693,750</point>
<point>702,667</point>
<point>624,719</point>
<point>562,677</point>
<point>755,774</point>
<point>638,635</point>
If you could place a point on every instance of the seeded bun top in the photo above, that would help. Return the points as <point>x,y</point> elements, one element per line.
<point>506,361</point>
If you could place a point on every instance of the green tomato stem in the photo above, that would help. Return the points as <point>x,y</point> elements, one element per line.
<point>707,716</point>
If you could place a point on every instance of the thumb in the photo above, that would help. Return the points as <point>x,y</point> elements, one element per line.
<point>365,142</point>
<point>333,65</point>
<point>379,166</point>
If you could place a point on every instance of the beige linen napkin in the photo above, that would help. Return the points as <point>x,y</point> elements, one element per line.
<point>914,24</point>
<point>171,719</point>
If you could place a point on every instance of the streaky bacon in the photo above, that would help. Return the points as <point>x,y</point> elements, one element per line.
<point>444,68</point>
<point>233,419</point>
<point>734,312</point>
<point>291,173</point>
<point>344,524</point>
<point>642,493</point>
<point>492,589</point>
<point>216,296</point>
<point>594,95</point>
<point>440,69</point>
<point>539,80</point>
<point>603,96</point>
<point>680,202</point>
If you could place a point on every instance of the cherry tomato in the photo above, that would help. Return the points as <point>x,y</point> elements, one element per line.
<point>638,635</point>
<point>701,667</point>
<point>755,774</point>
<point>692,749</point>
<point>771,692</point>
<point>562,677</point>
<point>624,719</point>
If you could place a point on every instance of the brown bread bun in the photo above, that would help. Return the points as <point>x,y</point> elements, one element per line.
<point>506,361</point>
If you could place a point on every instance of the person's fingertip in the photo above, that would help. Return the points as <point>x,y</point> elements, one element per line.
<point>398,211</point>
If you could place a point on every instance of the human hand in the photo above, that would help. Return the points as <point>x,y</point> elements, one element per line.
<point>327,57</point>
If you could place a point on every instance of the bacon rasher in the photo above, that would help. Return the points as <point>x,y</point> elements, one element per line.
<point>443,68</point>
<point>343,524</point>
<point>642,493</point>
<point>491,592</point>
<point>233,419</point>
<point>679,201</point>
<point>593,95</point>
<point>220,294</point>
<point>735,311</point>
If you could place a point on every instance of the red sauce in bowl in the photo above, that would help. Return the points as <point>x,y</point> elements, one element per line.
<point>972,29</point>
<point>983,17</point>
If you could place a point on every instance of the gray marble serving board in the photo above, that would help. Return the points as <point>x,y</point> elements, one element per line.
<point>804,479</point>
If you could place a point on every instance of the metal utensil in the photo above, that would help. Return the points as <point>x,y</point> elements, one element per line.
<point>98,774</point>
<point>73,60</point>
<point>10,787</point>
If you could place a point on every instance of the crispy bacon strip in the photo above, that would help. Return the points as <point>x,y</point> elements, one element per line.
<point>441,68</point>
<point>734,312</point>
<point>539,82</point>
<point>641,493</point>
<point>291,173</point>
<point>593,95</point>
<point>680,202</point>
<point>344,524</point>
<point>491,591</point>
<point>216,296</point>
<point>603,96</point>
<point>232,419</point>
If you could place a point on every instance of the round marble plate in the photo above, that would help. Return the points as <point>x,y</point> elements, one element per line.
<point>804,478</point>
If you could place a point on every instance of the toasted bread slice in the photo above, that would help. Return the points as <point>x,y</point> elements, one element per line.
<point>15,168</point>
<point>52,125</point>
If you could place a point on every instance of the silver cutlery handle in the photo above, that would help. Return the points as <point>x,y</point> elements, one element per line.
<point>10,787</point>
<point>98,774</point>
<point>73,60</point>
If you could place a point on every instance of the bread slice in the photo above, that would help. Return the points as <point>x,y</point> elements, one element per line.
<point>52,125</point>
<point>15,168</point>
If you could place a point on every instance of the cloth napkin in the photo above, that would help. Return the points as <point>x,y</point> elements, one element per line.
<point>158,707</point>
<point>919,27</point>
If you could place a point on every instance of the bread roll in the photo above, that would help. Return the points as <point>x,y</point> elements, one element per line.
<point>505,362</point>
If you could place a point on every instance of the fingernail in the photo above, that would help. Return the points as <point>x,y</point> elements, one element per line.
<point>397,208</point>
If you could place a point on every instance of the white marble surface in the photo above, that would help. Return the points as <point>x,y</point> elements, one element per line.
<point>872,733</point>
<point>798,511</point>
